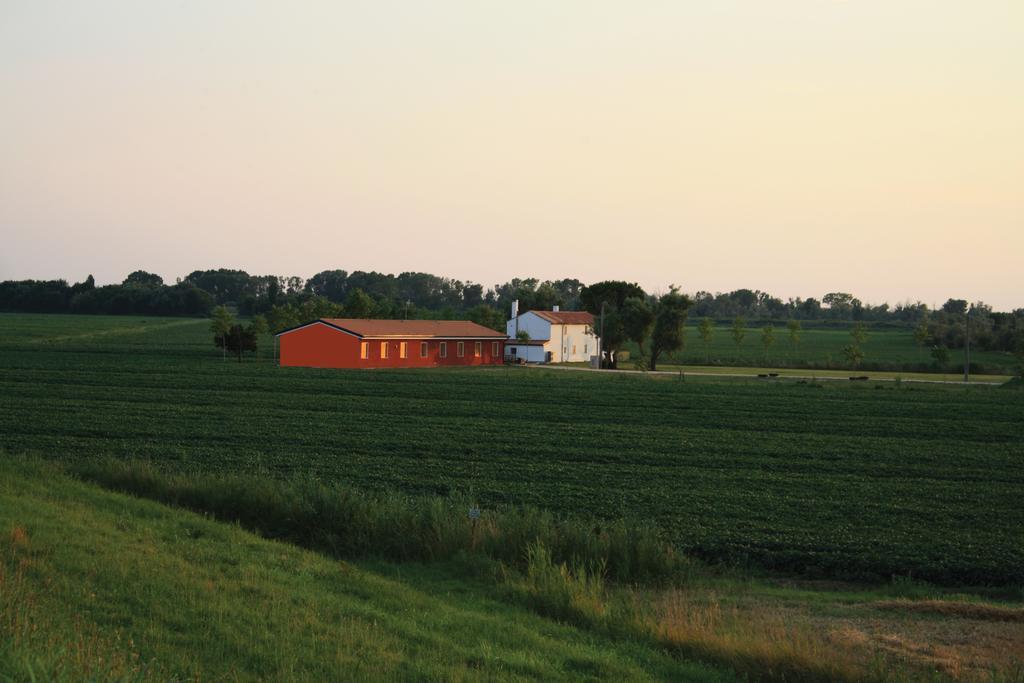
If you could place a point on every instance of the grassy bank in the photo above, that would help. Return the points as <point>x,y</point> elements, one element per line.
<point>101,586</point>
<point>93,576</point>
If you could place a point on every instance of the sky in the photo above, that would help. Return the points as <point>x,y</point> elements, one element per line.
<point>793,146</point>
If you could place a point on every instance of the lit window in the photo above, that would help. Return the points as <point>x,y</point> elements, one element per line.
<point>495,350</point>
<point>383,349</point>
<point>364,350</point>
<point>478,349</point>
<point>460,349</point>
<point>403,350</point>
<point>423,349</point>
<point>443,349</point>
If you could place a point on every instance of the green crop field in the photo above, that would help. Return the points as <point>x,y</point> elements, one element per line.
<point>822,348</point>
<point>858,480</point>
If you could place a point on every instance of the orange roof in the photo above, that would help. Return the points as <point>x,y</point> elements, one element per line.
<point>566,317</point>
<point>419,329</point>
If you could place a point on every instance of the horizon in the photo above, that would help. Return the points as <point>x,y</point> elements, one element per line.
<point>933,305</point>
<point>808,146</point>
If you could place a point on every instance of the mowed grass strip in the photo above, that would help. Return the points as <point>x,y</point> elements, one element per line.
<point>96,585</point>
<point>857,481</point>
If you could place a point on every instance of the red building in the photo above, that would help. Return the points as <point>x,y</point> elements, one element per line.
<point>356,343</point>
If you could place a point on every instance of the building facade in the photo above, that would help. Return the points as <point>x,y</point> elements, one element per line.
<point>358,343</point>
<point>554,336</point>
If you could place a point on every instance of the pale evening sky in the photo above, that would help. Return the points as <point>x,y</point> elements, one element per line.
<point>796,146</point>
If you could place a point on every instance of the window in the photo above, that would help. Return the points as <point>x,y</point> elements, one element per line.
<point>574,349</point>
<point>585,351</point>
<point>423,349</point>
<point>478,349</point>
<point>364,350</point>
<point>403,350</point>
<point>383,349</point>
<point>460,349</point>
<point>495,349</point>
<point>443,349</point>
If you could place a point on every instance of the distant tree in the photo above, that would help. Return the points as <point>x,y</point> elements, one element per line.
<point>859,334</point>
<point>238,340</point>
<point>358,304</point>
<point>706,330</point>
<point>141,278</point>
<point>610,292</point>
<point>273,291</point>
<point>281,318</point>
<point>221,321</point>
<point>739,330</point>
<point>940,355</point>
<point>488,316</point>
<point>922,333</point>
<point>637,319</point>
<point>627,316</point>
<point>523,336</point>
<point>795,329</point>
<point>853,355</point>
<point>669,332</point>
<point>767,339</point>
<point>955,306</point>
<point>224,284</point>
<point>259,325</point>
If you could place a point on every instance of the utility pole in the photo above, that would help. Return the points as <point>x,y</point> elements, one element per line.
<point>967,344</point>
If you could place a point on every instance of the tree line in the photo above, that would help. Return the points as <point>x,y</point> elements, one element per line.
<point>290,300</point>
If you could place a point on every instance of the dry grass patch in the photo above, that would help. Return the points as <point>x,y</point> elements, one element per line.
<point>950,608</point>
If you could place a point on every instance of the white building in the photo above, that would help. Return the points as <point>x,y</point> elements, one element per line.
<point>554,336</point>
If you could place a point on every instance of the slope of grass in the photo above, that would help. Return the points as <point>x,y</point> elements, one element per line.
<point>860,481</point>
<point>98,585</point>
<point>89,580</point>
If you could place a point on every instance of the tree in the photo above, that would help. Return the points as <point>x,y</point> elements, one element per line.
<point>488,316</point>
<point>840,304</point>
<point>955,307</point>
<point>853,354</point>
<point>610,292</point>
<point>794,328</point>
<point>859,334</point>
<point>259,325</point>
<point>921,333</point>
<point>358,304</point>
<point>626,315</point>
<point>739,330</point>
<point>940,355</point>
<point>706,330</point>
<point>238,340</point>
<point>221,321</point>
<point>669,333</point>
<point>522,336</point>
<point>767,339</point>
<point>141,278</point>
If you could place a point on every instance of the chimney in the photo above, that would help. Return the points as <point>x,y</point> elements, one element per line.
<point>554,309</point>
<point>515,308</point>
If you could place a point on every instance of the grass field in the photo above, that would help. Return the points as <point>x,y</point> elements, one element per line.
<point>99,586</point>
<point>830,480</point>
<point>886,350</point>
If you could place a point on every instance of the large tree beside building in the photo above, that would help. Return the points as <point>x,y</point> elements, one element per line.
<point>668,333</point>
<point>626,315</point>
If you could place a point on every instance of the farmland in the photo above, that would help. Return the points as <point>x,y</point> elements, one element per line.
<point>822,348</point>
<point>858,481</point>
